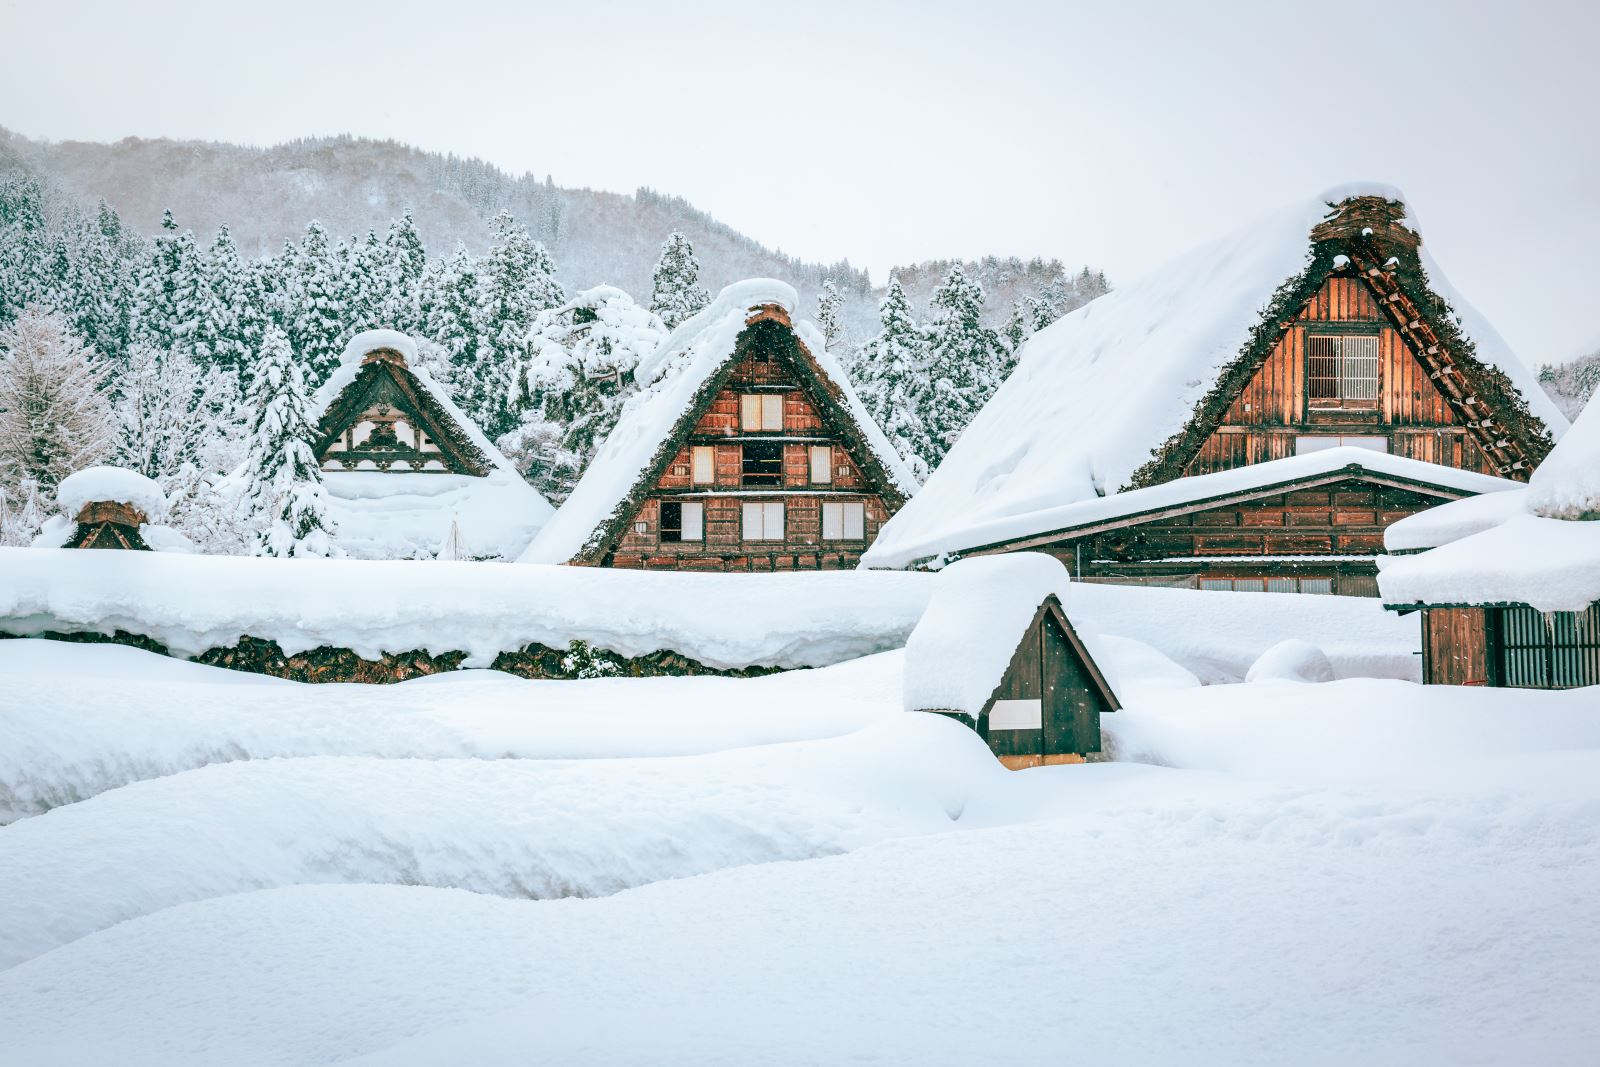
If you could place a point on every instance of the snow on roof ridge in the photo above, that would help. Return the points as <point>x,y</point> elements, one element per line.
<point>108,484</point>
<point>368,341</point>
<point>742,297</point>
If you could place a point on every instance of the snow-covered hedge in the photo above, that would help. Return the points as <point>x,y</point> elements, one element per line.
<point>193,604</point>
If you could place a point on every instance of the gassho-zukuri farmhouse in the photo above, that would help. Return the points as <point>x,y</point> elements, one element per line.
<point>1253,416</point>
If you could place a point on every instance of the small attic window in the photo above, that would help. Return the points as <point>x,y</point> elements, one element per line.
<point>1342,370</point>
<point>761,412</point>
<point>763,463</point>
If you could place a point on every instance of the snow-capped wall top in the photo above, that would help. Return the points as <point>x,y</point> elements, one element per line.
<point>979,611</point>
<point>371,340</point>
<point>1567,483</point>
<point>672,380</point>
<point>1098,393</point>
<point>116,485</point>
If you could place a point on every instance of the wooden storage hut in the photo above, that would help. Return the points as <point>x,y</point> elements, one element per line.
<point>406,470</point>
<point>997,651</point>
<point>108,507</point>
<point>746,450</point>
<point>1324,328</point>
<point>1509,585</point>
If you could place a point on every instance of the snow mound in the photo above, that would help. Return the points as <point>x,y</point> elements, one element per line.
<point>371,340</point>
<point>1139,667</point>
<point>115,485</point>
<point>513,828</point>
<point>1293,660</point>
<point>77,720</point>
<point>1567,484</point>
<point>965,640</point>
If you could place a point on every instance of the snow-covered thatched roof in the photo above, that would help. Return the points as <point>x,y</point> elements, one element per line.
<point>111,485</point>
<point>677,380</point>
<point>1119,393</point>
<point>1537,545</point>
<point>407,514</point>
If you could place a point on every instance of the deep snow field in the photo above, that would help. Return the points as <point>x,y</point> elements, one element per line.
<point>202,867</point>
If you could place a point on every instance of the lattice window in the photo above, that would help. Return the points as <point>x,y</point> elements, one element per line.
<point>1342,368</point>
<point>1554,650</point>
<point>761,412</point>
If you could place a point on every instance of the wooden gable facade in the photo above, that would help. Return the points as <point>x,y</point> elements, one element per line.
<point>1046,707</point>
<point>1358,350</point>
<point>385,420</point>
<point>768,472</point>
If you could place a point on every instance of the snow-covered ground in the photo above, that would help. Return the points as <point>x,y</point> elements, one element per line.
<point>786,870</point>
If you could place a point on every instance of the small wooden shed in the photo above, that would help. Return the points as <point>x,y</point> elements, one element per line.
<point>1509,584</point>
<point>997,651</point>
<point>111,507</point>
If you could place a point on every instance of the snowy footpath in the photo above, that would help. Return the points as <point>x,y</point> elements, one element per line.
<point>201,867</point>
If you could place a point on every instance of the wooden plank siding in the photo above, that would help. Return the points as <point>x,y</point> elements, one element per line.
<point>1341,518</point>
<point>1456,647</point>
<point>1262,422</point>
<point>724,547</point>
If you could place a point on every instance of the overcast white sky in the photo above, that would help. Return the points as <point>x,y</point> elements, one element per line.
<point>1114,133</point>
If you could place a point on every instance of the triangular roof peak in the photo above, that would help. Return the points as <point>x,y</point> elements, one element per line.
<point>679,380</point>
<point>1123,392</point>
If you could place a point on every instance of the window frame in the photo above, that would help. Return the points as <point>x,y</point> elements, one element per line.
<point>709,454</point>
<point>762,479</point>
<point>768,409</point>
<point>1344,334</point>
<point>1342,440</point>
<point>765,509</point>
<point>826,453</point>
<point>843,509</point>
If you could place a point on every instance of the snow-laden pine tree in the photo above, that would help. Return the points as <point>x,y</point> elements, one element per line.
<point>579,371</point>
<point>54,415</point>
<point>174,294</point>
<point>182,426</point>
<point>447,304</point>
<point>282,488</point>
<point>890,375</point>
<point>311,296</point>
<point>97,295</point>
<point>226,330</point>
<point>24,243</point>
<point>369,286</point>
<point>675,290</point>
<point>830,307</point>
<point>404,266</point>
<point>966,363</point>
<point>516,281</point>
<point>1019,324</point>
